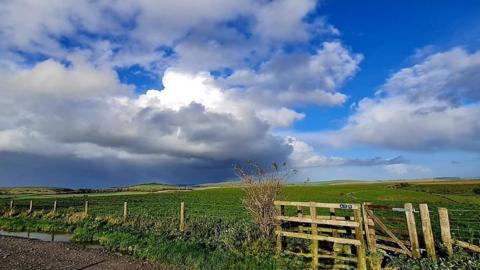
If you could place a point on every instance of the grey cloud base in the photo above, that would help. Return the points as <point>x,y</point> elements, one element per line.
<point>23,169</point>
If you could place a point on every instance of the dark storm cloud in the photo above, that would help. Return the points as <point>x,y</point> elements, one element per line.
<point>23,169</point>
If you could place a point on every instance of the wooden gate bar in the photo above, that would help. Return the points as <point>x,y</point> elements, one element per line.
<point>388,239</point>
<point>319,221</point>
<point>320,205</point>
<point>389,248</point>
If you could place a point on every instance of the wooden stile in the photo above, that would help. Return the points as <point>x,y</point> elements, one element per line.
<point>412,230</point>
<point>427,231</point>
<point>445,230</point>
<point>314,246</point>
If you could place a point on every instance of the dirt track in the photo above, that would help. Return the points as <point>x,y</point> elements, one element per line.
<point>23,254</point>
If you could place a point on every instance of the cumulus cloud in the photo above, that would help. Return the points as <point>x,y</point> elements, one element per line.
<point>187,118</point>
<point>227,86</point>
<point>55,79</point>
<point>433,105</point>
<point>282,20</point>
<point>404,169</point>
<point>448,76</point>
<point>301,78</point>
<point>304,156</point>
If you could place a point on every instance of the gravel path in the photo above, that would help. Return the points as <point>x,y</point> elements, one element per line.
<point>23,254</point>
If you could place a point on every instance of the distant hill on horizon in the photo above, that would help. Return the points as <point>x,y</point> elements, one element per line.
<point>158,186</point>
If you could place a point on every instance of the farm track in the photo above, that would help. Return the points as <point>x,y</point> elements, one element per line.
<point>20,254</point>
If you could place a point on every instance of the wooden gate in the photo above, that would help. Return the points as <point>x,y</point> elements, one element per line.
<point>381,236</point>
<point>332,236</point>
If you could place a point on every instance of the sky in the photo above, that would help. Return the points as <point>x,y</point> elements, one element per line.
<point>112,93</point>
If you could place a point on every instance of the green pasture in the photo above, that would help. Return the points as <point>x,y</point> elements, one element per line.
<point>217,219</point>
<point>450,195</point>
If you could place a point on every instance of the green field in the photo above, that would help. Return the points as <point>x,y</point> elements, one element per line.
<point>216,216</point>
<point>227,201</point>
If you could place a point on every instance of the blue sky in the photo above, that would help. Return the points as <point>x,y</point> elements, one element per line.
<point>97,93</point>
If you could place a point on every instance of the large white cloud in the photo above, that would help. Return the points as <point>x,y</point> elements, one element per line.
<point>189,118</point>
<point>433,105</point>
<point>61,99</point>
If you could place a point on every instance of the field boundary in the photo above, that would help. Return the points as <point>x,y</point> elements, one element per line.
<point>359,227</point>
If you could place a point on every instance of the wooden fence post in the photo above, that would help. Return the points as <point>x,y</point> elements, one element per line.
<point>54,207</point>
<point>11,206</point>
<point>86,208</point>
<point>412,230</point>
<point>445,230</point>
<point>278,229</point>
<point>30,209</point>
<point>361,259</point>
<point>314,248</point>
<point>125,209</point>
<point>182,216</point>
<point>427,231</point>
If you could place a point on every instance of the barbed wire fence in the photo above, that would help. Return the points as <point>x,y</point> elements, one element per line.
<point>164,212</point>
<point>465,225</point>
<point>464,222</point>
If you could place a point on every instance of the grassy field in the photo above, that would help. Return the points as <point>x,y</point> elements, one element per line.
<point>226,201</point>
<point>216,218</point>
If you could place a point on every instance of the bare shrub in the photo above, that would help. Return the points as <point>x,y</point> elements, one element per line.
<point>262,188</point>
